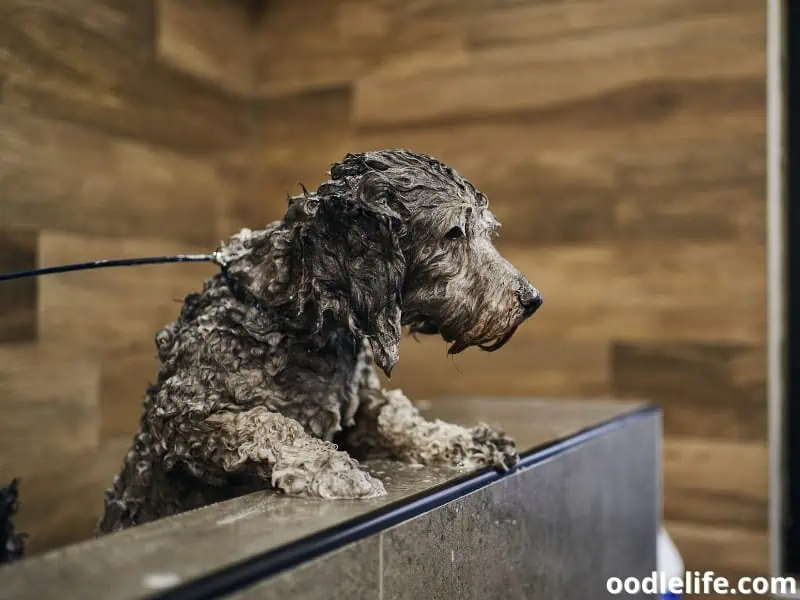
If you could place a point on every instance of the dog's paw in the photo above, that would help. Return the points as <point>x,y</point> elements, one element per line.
<point>494,448</point>
<point>350,484</point>
<point>336,476</point>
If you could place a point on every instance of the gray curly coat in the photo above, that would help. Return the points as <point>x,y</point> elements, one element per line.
<point>273,361</point>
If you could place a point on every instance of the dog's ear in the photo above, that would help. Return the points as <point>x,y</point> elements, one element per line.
<point>353,261</point>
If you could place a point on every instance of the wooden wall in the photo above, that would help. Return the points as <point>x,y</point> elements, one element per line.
<point>123,127</point>
<point>620,142</point>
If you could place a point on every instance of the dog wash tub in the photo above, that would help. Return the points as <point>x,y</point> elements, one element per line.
<point>582,506</point>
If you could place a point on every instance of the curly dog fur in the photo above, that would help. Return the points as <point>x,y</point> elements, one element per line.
<point>274,360</point>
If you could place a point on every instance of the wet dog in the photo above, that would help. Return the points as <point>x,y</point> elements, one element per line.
<point>275,358</point>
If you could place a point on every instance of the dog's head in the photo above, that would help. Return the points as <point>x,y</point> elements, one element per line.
<point>401,239</point>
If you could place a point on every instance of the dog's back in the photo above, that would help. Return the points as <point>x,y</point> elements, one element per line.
<point>143,489</point>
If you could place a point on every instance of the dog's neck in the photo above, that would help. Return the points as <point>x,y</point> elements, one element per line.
<point>266,286</point>
<point>256,266</point>
<point>240,291</point>
<point>333,268</point>
<point>257,269</point>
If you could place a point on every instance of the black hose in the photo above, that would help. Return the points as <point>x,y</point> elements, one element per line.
<point>119,262</point>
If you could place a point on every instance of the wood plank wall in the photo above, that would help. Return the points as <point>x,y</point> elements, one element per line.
<point>620,142</point>
<point>123,131</point>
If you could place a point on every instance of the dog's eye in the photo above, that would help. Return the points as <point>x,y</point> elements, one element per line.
<point>455,233</point>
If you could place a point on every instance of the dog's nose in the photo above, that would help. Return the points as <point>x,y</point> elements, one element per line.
<point>529,298</point>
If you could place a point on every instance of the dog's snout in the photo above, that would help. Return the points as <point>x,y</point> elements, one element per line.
<point>529,298</point>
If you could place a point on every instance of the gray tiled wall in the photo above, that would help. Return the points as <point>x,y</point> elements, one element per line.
<point>555,531</point>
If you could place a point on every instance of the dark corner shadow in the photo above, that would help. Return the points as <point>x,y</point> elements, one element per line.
<point>791,474</point>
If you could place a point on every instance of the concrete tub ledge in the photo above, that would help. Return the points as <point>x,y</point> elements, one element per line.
<point>583,505</point>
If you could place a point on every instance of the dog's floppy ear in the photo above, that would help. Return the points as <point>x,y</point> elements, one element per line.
<point>353,262</point>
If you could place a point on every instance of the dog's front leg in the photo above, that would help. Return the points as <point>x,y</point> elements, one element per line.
<point>277,449</point>
<point>388,423</point>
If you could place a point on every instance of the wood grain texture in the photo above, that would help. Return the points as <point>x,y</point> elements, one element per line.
<point>727,484</point>
<point>129,25</point>
<point>67,66</point>
<point>499,77</point>
<point>644,291</point>
<point>49,397</point>
<point>715,391</point>
<point>209,39</point>
<point>295,140</point>
<point>57,176</point>
<point>118,121</point>
<point>97,310</point>
<point>18,299</point>
<point>300,47</point>
<point>728,551</point>
<point>127,370</point>
<point>69,516</point>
